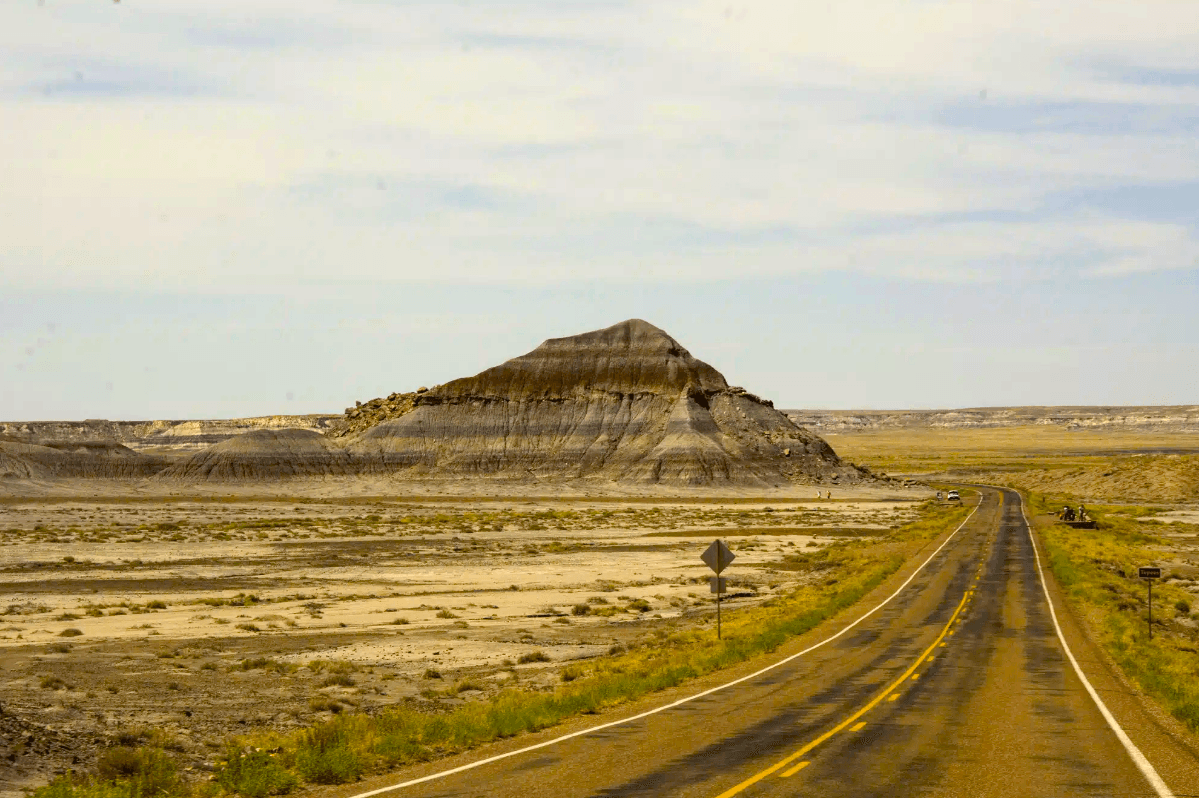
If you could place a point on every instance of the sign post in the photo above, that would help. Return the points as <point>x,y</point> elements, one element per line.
<point>717,557</point>
<point>1149,573</point>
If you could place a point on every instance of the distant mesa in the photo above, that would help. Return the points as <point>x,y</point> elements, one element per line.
<point>153,436</point>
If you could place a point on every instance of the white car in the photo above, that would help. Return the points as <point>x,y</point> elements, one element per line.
<point>953,496</point>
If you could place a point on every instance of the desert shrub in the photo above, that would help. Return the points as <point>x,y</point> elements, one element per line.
<point>640,605</point>
<point>58,648</point>
<point>323,756</point>
<point>71,632</point>
<point>338,680</point>
<point>432,673</point>
<point>265,663</point>
<point>248,627</point>
<point>400,621</point>
<point>446,614</point>
<point>69,785</point>
<point>467,684</point>
<point>156,605</point>
<point>332,666</point>
<point>130,737</point>
<point>533,656</point>
<point>572,673</point>
<point>1183,606</point>
<point>254,774</point>
<point>52,683</point>
<point>323,703</point>
<point>161,738</point>
<point>580,609</point>
<point>147,771</point>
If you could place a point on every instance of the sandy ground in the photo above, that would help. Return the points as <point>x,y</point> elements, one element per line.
<point>209,615</point>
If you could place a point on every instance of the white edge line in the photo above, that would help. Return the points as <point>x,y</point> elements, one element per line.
<point>754,675</point>
<point>1142,763</point>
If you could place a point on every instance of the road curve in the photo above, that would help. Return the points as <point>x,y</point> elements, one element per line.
<point>958,686</point>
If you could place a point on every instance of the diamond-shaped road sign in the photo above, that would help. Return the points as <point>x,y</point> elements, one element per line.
<point>717,556</point>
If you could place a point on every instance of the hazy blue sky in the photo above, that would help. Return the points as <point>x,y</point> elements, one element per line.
<point>213,208</point>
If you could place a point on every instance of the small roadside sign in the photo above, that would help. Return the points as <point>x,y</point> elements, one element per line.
<point>717,556</point>
<point>1150,572</point>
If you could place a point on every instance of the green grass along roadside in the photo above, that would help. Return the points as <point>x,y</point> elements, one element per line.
<point>347,747</point>
<point>1097,571</point>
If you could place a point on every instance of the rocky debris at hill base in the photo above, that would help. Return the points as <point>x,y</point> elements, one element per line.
<point>626,403</point>
<point>264,455</point>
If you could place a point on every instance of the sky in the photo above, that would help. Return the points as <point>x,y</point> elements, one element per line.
<point>216,209</point>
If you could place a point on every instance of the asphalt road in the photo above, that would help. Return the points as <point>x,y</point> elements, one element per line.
<point>959,686</point>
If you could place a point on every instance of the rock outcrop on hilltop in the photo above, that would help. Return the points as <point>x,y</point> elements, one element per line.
<point>75,460</point>
<point>363,416</point>
<point>266,454</point>
<point>626,403</point>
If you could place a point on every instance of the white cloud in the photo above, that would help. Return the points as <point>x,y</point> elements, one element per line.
<point>537,142</point>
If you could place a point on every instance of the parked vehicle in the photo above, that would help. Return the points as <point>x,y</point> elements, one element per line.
<point>953,496</point>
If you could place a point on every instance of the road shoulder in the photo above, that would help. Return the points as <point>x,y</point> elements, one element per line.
<point>1171,748</point>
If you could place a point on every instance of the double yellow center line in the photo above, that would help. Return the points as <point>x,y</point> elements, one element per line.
<point>784,762</point>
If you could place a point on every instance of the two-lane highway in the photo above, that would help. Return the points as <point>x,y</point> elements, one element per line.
<point>959,685</point>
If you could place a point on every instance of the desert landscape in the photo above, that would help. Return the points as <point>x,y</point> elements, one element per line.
<point>175,584</point>
<point>196,588</point>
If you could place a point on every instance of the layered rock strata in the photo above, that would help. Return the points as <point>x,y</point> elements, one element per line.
<point>627,403</point>
<point>75,460</point>
<point>1160,419</point>
<point>264,455</point>
<point>158,436</point>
